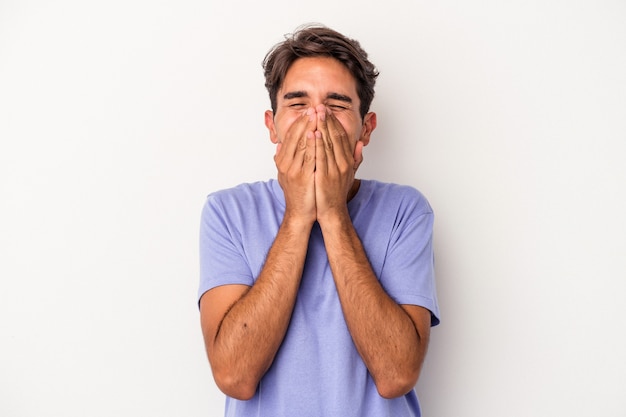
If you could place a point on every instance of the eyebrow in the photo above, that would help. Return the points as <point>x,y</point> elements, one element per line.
<point>339,97</point>
<point>332,96</point>
<point>295,94</point>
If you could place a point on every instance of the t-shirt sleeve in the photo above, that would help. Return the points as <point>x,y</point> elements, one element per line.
<point>222,259</point>
<point>409,272</point>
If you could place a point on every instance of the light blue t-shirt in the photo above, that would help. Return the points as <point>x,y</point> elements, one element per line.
<point>317,370</point>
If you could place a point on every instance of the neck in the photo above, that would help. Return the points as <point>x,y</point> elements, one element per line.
<point>354,189</point>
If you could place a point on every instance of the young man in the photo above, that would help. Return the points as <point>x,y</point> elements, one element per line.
<point>317,289</point>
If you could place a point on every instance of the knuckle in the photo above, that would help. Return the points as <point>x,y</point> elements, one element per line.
<point>344,167</point>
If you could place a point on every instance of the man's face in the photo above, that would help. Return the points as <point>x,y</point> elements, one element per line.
<point>314,81</point>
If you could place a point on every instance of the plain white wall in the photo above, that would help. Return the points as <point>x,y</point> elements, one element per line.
<point>118,117</point>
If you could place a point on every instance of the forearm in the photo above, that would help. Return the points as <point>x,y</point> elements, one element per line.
<point>252,330</point>
<point>384,334</point>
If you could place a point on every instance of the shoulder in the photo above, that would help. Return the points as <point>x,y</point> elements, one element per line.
<point>244,204</point>
<point>396,197</point>
<point>243,196</point>
<point>251,190</point>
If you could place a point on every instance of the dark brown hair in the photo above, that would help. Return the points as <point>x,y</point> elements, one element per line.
<point>313,41</point>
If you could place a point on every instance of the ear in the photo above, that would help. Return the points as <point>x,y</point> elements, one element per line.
<point>269,123</point>
<point>369,124</point>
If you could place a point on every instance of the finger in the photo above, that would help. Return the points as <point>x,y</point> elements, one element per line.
<point>295,138</point>
<point>308,159</point>
<point>321,155</point>
<point>325,134</point>
<point>338,136</point>
<point>307,143</point>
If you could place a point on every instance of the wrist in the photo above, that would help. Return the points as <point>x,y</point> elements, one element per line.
<point>297,223</point>
<point>334,219</point>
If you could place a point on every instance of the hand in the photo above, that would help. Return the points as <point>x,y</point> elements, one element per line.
<point>295,161</point>
<point>336,161</point>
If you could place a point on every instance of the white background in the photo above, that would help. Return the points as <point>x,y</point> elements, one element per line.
<point>118,117</point>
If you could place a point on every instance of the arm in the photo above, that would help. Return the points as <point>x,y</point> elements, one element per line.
<point>244,326</point>
<point>391,339</point>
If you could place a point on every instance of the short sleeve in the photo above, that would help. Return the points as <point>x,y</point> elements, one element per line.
<point>409,272</point>
<point>222,259</point>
